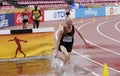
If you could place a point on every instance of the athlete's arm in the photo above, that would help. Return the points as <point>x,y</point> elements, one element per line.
<point>80,35</point>
<point>23,41</point>
<point>58,41</point>
<point>32,15</point>
<point>11,40</point>
<point>39,15</point>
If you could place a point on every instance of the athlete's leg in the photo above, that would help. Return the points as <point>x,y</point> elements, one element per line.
<point>23,23</point>
<point>16,52</point>
<point>34,23</point>
<point>25,26</point>
<point>37,24</point>
<point>66,54</point>
<point>22,51</point>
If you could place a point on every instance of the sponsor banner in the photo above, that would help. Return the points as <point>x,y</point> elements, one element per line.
<point>42,17</point>
<point>112,10</point>
<point>27,44</point>
<point>89,12</point>
<point>2,11</point>
<point>6,20</point>
<point>18,19</point>
<point>50,15</point>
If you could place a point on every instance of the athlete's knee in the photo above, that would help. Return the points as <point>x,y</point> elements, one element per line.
<point>67,54</point>
<point>64,51</point>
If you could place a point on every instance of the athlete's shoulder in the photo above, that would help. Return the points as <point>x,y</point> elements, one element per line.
<point>33,10</point>
<point>61,30</point>
<point>75,27</point>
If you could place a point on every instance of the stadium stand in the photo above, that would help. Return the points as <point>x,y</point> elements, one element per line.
<point>6,5</point>
<point>11,4</point>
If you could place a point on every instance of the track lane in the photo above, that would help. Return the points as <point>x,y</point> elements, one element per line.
<point>97,40</point>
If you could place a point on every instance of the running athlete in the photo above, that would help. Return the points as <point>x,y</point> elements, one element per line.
<point>25,16</point>
<point>18,45</point>
<point>36,14</point>
<point>66,40</point>
<point>67,11</point>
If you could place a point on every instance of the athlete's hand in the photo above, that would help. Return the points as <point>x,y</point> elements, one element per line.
<point>9,40</point>
<point>56,55</point>
<point>56,52</point>
<point>37,17</point>
<point>25,41</point>
<point>88,45</point>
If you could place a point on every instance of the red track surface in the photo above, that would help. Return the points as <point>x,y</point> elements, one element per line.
<point>103,34</point>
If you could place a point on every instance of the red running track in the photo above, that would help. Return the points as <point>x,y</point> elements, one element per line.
<point>103,34</point>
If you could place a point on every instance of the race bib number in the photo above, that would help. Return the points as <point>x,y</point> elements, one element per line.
<point>25,17</point>
<point>67,39</point>
<point>35,16</point>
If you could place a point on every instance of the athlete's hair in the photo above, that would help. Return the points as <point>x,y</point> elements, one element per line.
<point>35,6</point>
<point>68,19</point>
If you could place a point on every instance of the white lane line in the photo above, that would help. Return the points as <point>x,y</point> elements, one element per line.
<point>94,61</point>
<point>116,26</point>
<point>104,34</point>
<point>95,74</point>
<point>101,48</point>
<point>86,59</point>
<point>90,23</point>
<point>98,45</point>
<point>104,48</point>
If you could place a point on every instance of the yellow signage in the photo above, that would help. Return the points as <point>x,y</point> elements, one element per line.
<point>26,45</point>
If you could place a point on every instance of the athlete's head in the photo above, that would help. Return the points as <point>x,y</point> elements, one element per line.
<point>15,37</point>
<point>26,8</point>
<point>35,7</point>
<point>68,5</point>
<point>68,22</point>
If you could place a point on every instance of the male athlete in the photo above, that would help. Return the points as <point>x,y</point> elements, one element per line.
<point>36,14</point>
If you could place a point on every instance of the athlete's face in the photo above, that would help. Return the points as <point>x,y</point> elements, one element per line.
<point>68,6</point>
<point>15,38</point>
<point>26,8</point>
<point>35,7</point>
<point>69,23</point>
